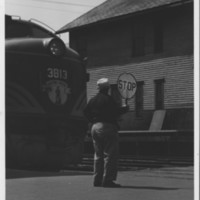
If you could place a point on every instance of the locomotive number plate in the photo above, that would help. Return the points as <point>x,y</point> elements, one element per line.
<point>55,85</point>
<point>57,73</point>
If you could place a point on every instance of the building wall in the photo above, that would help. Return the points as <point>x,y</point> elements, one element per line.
<point>111,43</point>
<point>108,47</point>
<point>177,72</point>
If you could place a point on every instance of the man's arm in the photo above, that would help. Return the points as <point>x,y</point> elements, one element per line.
<point>119,109</point>
<point>122,110</point>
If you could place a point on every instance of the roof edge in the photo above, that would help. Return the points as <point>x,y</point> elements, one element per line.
<point>179,3</point>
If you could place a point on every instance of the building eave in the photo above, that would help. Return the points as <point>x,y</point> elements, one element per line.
<point>124,16</point>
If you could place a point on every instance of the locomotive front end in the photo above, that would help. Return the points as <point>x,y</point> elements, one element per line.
<point>45,96</point>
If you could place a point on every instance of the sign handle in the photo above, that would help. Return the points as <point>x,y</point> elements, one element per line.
<point>126,101</point>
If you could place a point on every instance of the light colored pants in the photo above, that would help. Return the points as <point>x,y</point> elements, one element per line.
<point>105,141</point>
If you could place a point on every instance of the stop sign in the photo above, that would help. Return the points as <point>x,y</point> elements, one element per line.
<point>126,85</point>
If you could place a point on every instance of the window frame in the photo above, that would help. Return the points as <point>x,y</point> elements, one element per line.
<point>158,36</point>
<point>138,40</point>
<point>82,47</point>
<point>139,98</point>
<point>159,93</point>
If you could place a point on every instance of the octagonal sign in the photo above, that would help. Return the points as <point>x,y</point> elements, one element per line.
<point>127,85</point>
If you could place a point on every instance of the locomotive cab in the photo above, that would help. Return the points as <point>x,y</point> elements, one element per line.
<point>17,28</point>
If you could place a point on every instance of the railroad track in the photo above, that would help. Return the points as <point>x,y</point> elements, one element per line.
<point>133,162</point>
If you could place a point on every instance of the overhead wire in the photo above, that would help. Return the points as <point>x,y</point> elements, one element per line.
<point>65,3</point>
<point>47,8</point>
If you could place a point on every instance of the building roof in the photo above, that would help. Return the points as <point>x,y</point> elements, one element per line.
<point>111,9</point>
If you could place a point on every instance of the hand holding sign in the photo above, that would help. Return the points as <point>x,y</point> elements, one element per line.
<point>127,85</point>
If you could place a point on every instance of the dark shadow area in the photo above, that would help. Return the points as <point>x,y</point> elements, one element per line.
<point>12,174</point>
<point>147,188</point>
<point>159,167</point>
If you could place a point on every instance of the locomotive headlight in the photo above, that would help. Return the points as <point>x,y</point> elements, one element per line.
<point>56,47</point>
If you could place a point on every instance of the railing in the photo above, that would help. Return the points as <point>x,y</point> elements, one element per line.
<point>162,143</point>
<point>150,135</point>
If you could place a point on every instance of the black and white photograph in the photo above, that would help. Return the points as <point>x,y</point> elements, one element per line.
<point>100,100</point>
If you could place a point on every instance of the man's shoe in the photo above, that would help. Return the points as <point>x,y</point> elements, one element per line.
<point>97,184</point>
<point>111,184</point>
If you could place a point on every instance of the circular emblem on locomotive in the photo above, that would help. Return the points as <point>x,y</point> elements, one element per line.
<point>55,85</point>
<point>57,91</point>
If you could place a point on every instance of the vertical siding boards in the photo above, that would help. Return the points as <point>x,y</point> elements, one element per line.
<point>177,72</point>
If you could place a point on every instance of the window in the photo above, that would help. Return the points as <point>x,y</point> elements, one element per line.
<point>17,30</point>
<point>38,32</point>
<point>159,94</point>
<point>25,29</point>
<point>115,94</point>
<point>147,37</point>
<point>81,47</point>
<point>139,98</point>
<point>138,44</point>
<point>158,37</point>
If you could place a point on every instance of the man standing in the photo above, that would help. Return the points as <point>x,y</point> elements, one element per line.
<point>103,112</point>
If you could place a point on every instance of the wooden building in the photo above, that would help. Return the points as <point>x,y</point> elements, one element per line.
<point>153,40</point>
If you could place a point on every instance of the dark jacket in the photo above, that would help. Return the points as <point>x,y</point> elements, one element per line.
<point>103,108</point>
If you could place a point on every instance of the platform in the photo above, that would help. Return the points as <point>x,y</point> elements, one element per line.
<point>175,183</point>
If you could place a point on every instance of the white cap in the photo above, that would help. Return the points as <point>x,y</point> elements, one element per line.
<point>103,83</point>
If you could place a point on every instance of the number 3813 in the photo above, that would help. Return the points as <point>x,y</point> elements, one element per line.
<point>57,73</point>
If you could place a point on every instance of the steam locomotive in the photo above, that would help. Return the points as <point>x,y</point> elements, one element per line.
<point>45,95</point>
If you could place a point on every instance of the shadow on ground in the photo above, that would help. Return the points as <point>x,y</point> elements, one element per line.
<point>148,188</point>
<point>13,173</point>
